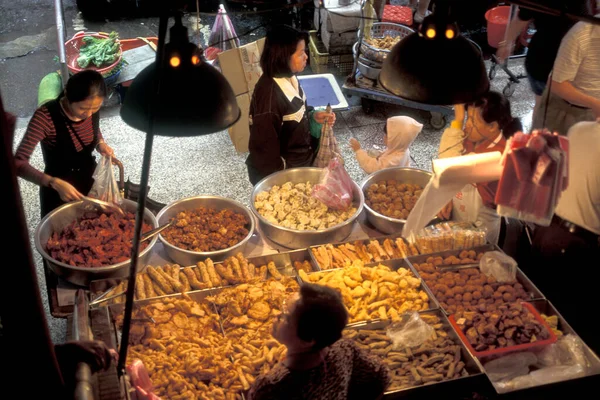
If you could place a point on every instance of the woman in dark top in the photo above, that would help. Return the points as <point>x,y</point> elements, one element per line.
<point>279,116</point>
<point>319,365</point>
<point>68,130</point>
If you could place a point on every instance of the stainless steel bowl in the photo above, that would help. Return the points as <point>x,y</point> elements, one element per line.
<point>367,71</point>
<point>187,257</point>
<point>295,239</point>
<point>404,175</point>
<point>63,216</point>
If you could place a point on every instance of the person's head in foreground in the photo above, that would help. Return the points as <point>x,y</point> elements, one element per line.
<point>489,116</point>
<point>284,54</point>
<point>311,321</point>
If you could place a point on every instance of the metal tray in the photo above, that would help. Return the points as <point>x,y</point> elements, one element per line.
<point>528,285</point>
<point>283,262</point>
<point>476,375</point>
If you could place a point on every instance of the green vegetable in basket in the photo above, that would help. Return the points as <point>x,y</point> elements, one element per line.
<point>98,51</point>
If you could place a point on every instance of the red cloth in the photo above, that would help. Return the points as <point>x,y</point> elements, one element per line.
<point>398,15</point>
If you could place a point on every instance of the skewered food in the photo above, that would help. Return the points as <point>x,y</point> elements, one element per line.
<point>392,198</point>
<point>373,292</point>
<point>95,240</point>
<point>292,206</point>
<point>207,229</point>
<point>436,360</point>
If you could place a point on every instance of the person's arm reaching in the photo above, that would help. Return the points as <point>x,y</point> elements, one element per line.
<point>516,26</point>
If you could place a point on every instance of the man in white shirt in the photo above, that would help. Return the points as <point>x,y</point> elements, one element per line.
<point>575,86</point>
<point>570,246</point>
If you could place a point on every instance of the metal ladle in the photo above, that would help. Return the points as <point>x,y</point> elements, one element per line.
<point>103,206</point>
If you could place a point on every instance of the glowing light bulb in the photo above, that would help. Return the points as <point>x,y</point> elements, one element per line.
<point>430,33</point>
<point>175,61</point>
<point>450,34</point>
<point>195,60</point>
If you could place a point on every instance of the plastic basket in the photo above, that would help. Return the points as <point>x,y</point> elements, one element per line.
<point>72,49</point>
<point>321,60</point>
<point>380,30</point>
<point>510,349</point>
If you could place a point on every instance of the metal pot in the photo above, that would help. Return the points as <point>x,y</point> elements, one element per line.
<point>404,175</point>
<point>295,239</point>
<point>63,216</point>
<point>187,257</point>
<point>367,71</point>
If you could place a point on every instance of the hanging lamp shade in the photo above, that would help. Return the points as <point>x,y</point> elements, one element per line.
<point>435,65</point>
<point>193,98</point>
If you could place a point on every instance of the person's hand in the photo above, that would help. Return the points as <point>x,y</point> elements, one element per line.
<point>504,51</point>
<point>321,116</point>
<point>66,191</point>
<point>446,212</point>
<point>105,150</point>
<point>354,144</point>
<point>93,352</point>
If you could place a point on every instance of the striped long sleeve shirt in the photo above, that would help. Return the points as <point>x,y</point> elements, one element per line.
<point>41,129</point>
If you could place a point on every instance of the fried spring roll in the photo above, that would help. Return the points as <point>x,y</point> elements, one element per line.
<point>140,291</point>
<point>148,286</point>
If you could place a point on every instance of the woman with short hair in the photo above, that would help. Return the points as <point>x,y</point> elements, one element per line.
<point>319,364</point>
<point>279,116</point>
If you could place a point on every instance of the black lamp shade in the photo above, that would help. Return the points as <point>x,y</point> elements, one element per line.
<point>435,71</point>
<point>194,100</point>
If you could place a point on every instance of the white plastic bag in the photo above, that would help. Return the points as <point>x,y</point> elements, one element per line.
<point>499,265</point>
<point>510,366</point>
<point>105,185</point>
<point>410,331</point>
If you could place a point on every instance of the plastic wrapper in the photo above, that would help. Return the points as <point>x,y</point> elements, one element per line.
<point>499,265</point>
<point>328,145</point>
<point>535,172</point>
<point>410,331</point>
<point>510,366</point>
<point>140,381</point>
<point>448,236</point>
<point>222,35</point>
<point>105,185</point>
<point>561,361</point>
<point>335,188</point>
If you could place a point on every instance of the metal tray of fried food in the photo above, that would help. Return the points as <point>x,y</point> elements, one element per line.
<point>473,370</point>
<point>528,285</point>
<point>366,242</point>
<point>101,289</point>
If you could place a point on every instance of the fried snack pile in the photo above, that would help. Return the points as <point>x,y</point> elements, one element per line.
<point>95,240</point>
<point>503,326</point>
<point>385,43</point>
<point>392,198</point>
<point>552,322</point>
<point>468,289</point>
<point>170,279</point>
<point>436,360</point>
<point>373,292</point>
<point>184,350</point>
<point>343,255</point>
<point>292,206</point>
<point>448,236</point>
<point>206,229</point>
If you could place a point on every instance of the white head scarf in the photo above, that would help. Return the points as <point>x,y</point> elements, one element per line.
<point>401,132</point>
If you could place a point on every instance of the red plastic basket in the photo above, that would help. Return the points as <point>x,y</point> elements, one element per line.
<point>397,14</point>
<point>72,49</point>
<point>510,349</point>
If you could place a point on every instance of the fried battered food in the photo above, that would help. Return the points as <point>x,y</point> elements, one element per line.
<point>292,206</point>
<point>207,229</point>
<point>467,289</point>
<point>392,198</point>
<point>95,240</point>
<point>385,43</point>
<point>373,292</point>
<point>343,255</point>
<point>438,359</point>
<point>273,271</point>
<point>140,290</point>
<point>304,265</point>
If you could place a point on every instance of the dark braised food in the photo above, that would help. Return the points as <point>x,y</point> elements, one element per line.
<point>392,198</point>
<point>95,240</point>
<point>206,229</point>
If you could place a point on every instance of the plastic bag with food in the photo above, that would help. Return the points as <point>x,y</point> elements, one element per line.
<point>335,188</point>
<point>410,331</point>
<point>140,380</point>
<point>499,265</point>
<point>105,185</point>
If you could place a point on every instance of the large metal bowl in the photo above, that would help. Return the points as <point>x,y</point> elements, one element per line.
<point>58,219</point>
<point>295,239</point>
<point>187,257</point>
<point>404,175</point>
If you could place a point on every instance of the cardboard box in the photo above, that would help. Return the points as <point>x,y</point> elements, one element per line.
<point>241,66</point>
<point>239,133</point>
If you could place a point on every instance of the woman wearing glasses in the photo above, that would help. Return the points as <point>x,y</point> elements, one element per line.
<point>488,124</point>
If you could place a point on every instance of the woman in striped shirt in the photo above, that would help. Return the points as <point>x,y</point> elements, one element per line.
<point>68,131</point>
